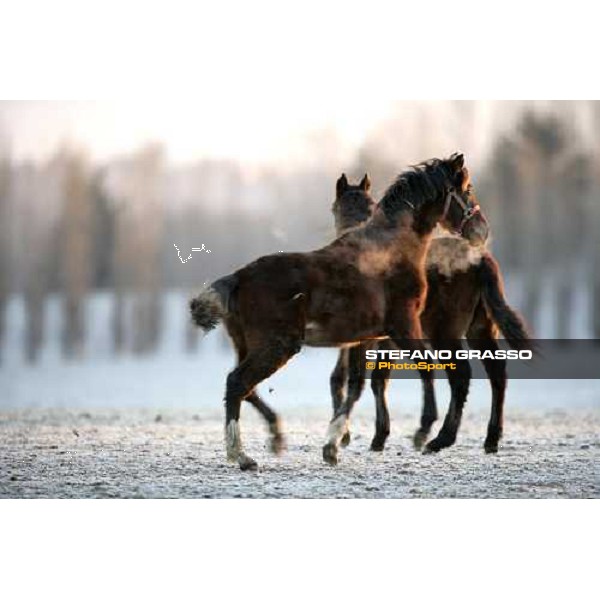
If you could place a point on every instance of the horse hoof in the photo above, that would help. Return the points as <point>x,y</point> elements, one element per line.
<point>345,439</point>
<point>278,444</point>
<point>419,439</point>
<point>330,454</point>
<point>433,447</point>
<point>248,464</point>
<point>491,448</point>
<point>377,446</point>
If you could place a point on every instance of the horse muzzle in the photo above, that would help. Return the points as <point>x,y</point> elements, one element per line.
<point>476,230</point>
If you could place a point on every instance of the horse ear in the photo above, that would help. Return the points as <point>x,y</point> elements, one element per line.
<point>457,161</point>
<point>365,184</point>
<point>341,186</point>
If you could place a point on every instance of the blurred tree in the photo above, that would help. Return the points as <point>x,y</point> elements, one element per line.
<point>120,270</point>
<point>5,245</point>
<point>538,177</point>
<point>593,219</point>
<point>34,247</point>
<point>103,232</point>
<point>148,167</point>
<point>135,185</point>
<point>76,251</point>
<point>503,201</point>
<point>572,230</point>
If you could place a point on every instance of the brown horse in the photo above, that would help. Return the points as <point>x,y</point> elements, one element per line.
<point>465,298</point>
<point>368,284</point>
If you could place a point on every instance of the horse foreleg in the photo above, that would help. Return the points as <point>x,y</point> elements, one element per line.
<point>356,384</point>
<point>337,380</point>
<point>338,432</point>
<point>482,336</point>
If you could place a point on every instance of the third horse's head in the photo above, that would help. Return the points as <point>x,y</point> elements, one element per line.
<point>353,204</point>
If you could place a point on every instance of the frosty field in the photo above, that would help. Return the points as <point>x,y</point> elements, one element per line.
<point>154,428</point>
<point>179,454</point>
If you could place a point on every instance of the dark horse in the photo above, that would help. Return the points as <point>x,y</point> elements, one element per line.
<point>368,284</point>
<point>465,298</point>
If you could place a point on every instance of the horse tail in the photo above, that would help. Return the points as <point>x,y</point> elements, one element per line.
<point>511,324</point>
<point>209,307</point>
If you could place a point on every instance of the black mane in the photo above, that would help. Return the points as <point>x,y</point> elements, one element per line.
<point>422,184</point>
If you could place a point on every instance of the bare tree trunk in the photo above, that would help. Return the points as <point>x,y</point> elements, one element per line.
<point>76,256</point>
<point>529,232</point>
<point>594,259</point>
<point>137,270</point>
<point>593,217</point>
<point>147,174</point>
<point>5,246</point>
<point>596,294</point>
<point>119,276</point>
<point>559,255</point>
<point>35,297</point>
<point>564,304</point>
<point>32,187</point>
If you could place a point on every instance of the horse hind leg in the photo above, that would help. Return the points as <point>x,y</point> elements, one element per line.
<point>459,380</point>
<point>260,363</point>
<point>379,382</point>
<point>496,371</point>
<point>273,422</point>
<point>429,412</point>
<point>482,336</point>
<point>277,444</point>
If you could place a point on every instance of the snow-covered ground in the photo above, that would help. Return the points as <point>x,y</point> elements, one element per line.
<point>179,453</point>
<point>551,446</point>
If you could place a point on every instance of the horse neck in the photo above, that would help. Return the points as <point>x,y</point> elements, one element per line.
<point>347,228</point>
<point>350,221</point>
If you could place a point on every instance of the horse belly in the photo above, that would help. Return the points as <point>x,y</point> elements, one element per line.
<point>320,337</point>
<point>344,329</point>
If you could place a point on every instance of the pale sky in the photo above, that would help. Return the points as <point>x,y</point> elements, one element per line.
<point>257,130</point>
<point>260,129</point>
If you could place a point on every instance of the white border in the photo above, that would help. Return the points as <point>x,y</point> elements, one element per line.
<point>436,49</point>
<point>229,549</point>
<point>298,549</point>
